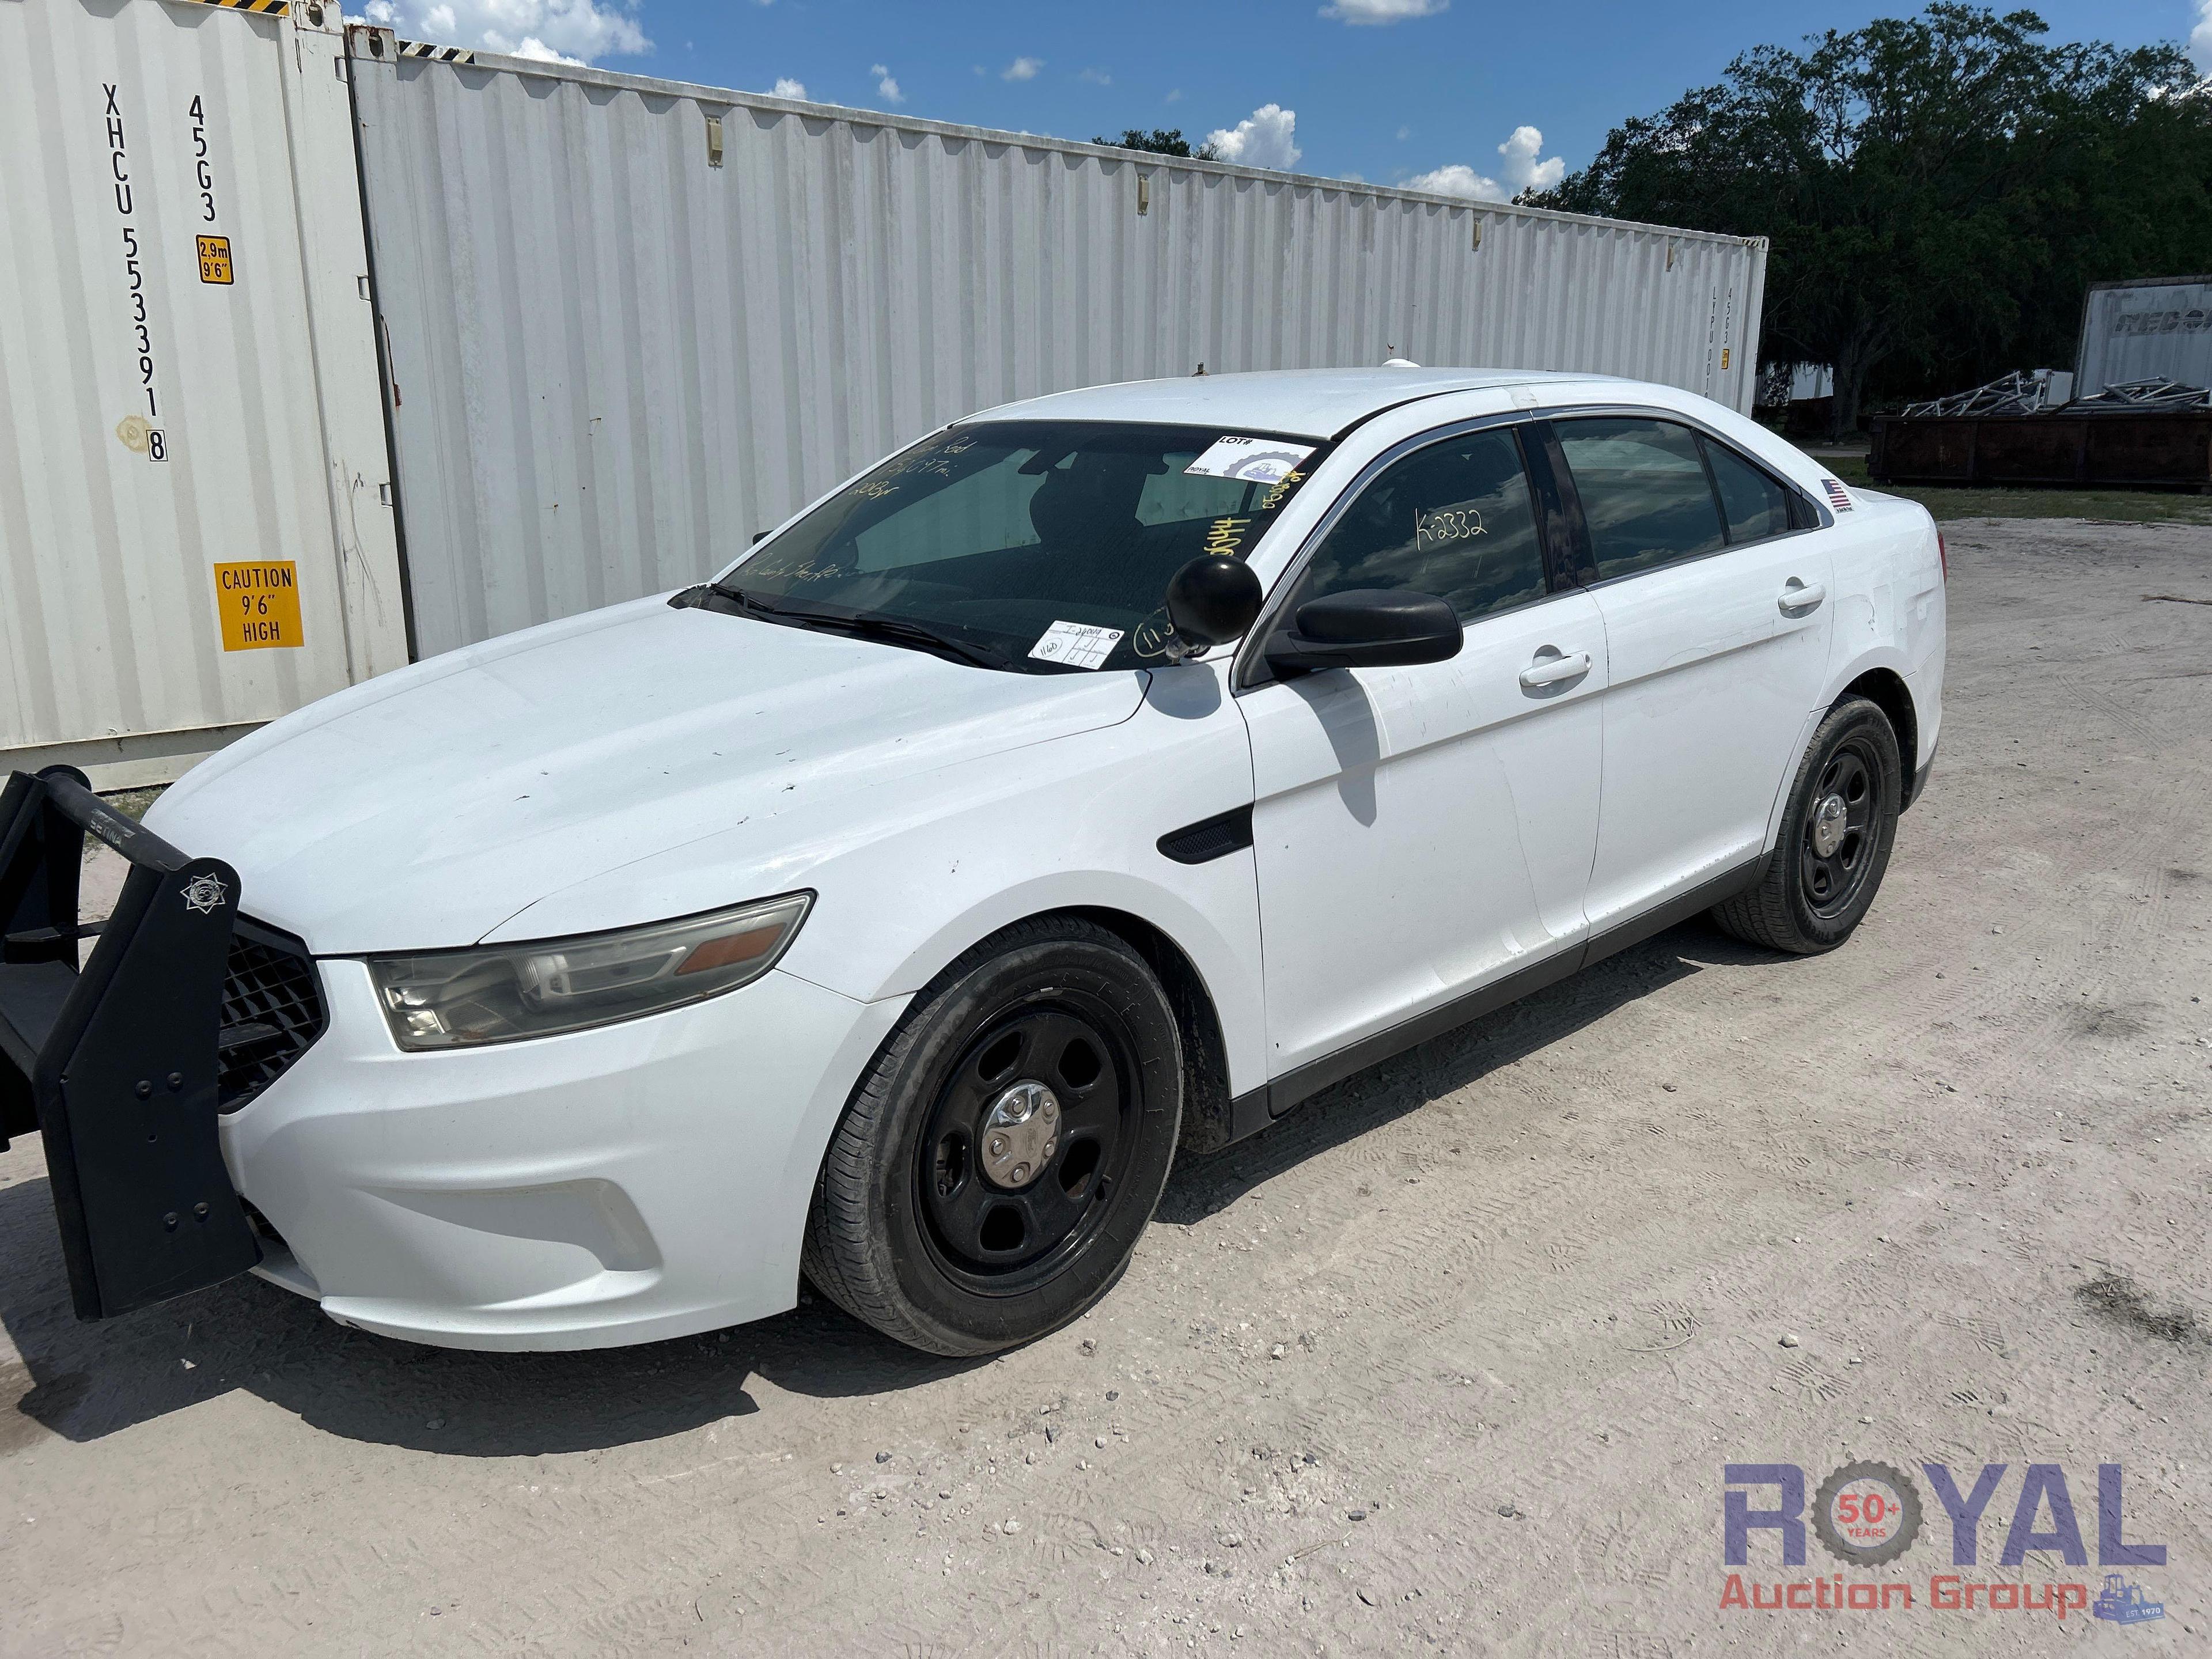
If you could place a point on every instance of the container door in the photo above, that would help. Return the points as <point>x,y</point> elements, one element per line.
<point>177,531</point>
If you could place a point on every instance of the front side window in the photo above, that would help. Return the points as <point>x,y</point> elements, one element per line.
<point>1644,490</point>
<point>1454,519</point>
<point>989,535</point>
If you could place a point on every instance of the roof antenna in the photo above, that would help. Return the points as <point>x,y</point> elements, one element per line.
<point>1394,361</point>
<point>1199,370</point>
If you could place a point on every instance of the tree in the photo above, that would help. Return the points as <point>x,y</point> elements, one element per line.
<point>1937,189</point>
<point>1160,141</point>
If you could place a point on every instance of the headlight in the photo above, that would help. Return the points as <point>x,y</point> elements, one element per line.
<point>498,993</point>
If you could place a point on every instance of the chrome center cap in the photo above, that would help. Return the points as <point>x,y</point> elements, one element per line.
<point>1830,819</point>
<point>1021,1132</point>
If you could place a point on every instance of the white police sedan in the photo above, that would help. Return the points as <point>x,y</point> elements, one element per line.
<point>1101,776</point>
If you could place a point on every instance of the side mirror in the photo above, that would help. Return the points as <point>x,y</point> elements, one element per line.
<point>1212,600</point>
<point>1367,628</point>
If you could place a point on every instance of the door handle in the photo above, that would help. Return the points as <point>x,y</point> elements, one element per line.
<point>1554,670</point>
<point>1798,595</point>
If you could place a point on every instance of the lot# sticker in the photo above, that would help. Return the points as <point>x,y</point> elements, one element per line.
<point>1076,644</point>
<point>1249,460</point>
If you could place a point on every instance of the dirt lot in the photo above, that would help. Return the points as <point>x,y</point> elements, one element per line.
<point>1451,1361</point>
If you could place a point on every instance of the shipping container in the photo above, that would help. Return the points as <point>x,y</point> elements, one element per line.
<point>324,351</point>
<point>2157,328</point>
<point>633,322</point>
<point>194,537</point>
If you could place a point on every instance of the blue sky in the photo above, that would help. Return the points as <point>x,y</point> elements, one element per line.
<point>1388,90</point>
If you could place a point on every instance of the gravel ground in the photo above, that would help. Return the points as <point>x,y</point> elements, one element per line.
<point>1449,1361</point>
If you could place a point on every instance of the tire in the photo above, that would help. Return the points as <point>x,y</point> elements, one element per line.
<point>959,1232</point>
<point>1837,833</point>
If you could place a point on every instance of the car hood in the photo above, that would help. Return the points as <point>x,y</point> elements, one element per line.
<point>424,809</point>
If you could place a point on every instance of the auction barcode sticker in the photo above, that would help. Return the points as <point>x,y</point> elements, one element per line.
<point>1078,645</point>
<point>1252,460</point>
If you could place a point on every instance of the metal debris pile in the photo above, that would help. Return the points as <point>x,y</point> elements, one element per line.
<point>2023,391</point>
<point>2038,390</point>
<point>2154,396</point>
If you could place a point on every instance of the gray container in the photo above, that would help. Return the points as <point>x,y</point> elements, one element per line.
<point>633,322</point>
<point>2154,328</point>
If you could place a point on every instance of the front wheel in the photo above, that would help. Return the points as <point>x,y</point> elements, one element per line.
<point>1836,832</point>
<point>991,1176</point>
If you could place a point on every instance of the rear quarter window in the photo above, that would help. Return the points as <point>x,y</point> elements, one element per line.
<point>1757,506</point>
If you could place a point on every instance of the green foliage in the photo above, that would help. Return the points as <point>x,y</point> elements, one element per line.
<point>1939,190</point>
<point>1160,141</point>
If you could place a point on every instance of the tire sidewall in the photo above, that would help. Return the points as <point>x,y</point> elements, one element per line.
<point>1855,717</point>
<point>949,1020</point>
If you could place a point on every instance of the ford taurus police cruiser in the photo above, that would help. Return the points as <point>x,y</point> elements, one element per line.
<point>1102,776</point>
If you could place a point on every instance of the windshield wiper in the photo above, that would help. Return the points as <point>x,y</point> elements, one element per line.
<point>891,630</point>
<point>744,601</point>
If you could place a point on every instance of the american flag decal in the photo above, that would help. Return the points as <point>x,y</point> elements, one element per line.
<point>1838,497</point>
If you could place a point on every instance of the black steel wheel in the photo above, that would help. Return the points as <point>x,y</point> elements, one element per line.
<point>1000,1157</point>
<point>1836,849</point>
<point>1031,1135</point>
<point>1837,825</point>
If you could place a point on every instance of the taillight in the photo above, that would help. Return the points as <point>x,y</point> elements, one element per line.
<point>1943,558</point>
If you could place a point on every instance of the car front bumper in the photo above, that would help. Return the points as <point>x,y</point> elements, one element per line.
<point>637,1182</point>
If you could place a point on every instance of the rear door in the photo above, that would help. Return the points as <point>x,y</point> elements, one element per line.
<point>1712,581</point>
<point>1427,830</point>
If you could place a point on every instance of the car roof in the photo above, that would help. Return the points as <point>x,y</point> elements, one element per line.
<point>1313,403</point>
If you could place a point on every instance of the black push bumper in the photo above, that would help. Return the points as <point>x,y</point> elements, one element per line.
<point>116,1064</point>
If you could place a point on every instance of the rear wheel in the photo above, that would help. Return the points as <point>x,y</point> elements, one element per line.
<point>1836,832</point>
<point>998,1161</point>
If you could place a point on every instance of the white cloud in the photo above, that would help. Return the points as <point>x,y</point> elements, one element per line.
<point>787,88</point>
<point>551,31</point>
<point>887,86</point>
<point>1022,68</point>
<point>1383,11</point>
<point>1524,171</point>
<point>1521,170</point>
<point>1266,139</point>
<point>1457,178</point>
<point>2200,38</point>
<point>533,47</point>
<point>1099,78</point>
<point>1175,96</point>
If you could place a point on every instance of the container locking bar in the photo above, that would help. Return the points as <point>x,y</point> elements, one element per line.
<point>114,1064</point>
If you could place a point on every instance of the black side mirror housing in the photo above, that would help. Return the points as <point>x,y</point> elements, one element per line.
<point>1367,628</point>
<point>1212,600</point>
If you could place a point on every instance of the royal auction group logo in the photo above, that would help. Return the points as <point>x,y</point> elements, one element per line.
<point>1868,1514</point>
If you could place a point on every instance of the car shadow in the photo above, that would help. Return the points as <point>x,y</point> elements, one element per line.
<point>84,1382</point>
<point>1406,1082</point>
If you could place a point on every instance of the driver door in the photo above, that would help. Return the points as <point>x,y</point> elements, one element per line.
<point>1424,833</point>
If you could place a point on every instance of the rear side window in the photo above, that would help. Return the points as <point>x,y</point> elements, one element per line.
<point>1644,490</point>
<point>1454,519</point>
<point>1756,506</point>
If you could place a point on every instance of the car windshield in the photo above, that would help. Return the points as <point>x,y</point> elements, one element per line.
<point>1041,546</point>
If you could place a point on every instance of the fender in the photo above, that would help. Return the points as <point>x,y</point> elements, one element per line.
<point>1229,968</point>
<point>1865,662</point>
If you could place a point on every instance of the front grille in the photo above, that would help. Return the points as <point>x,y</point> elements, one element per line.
<point>272,1011</point>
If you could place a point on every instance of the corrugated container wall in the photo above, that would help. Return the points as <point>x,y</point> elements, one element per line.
<point>192,442</point>
<point>631,322</point>
<point>2157,328</point>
